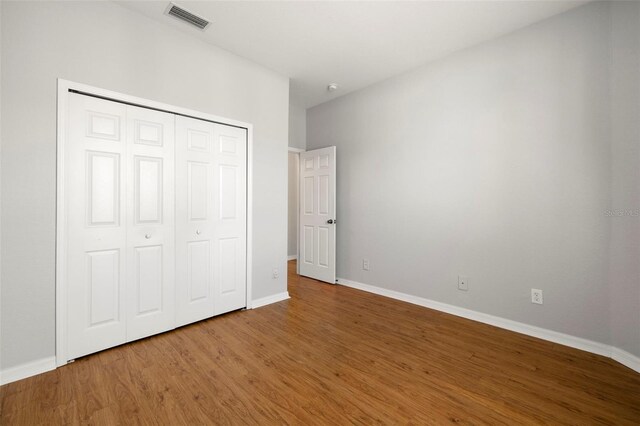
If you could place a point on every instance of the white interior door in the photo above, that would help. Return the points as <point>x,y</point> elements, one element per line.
<point>150,222</point>
<point>317,248</point>
<point>95,166</point>
<point>210,219</point>
<point>230,195</point>
<point>195,225</point>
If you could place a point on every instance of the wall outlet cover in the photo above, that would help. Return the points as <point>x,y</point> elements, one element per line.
<point>463,283</point>
<point>536,296</point>
<point>365,264</point>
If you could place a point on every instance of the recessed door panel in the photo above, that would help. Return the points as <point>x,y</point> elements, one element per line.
<point>308,195</point>
<point>198,270</point>
<point>307,244</point>
<point>308,164</point>
<point>198,140</point>
<point>197,190</point>
<point>228,265</point>
<point>104,286</point>
<point>323,246</point>
<point>228,145</point>
<point>148,264</point>
<point>228,191</point>
<point>103,126</point>
<point>103,171</point>
<point>323,195</point>
<point>148,189</point>
<point>148,133</point>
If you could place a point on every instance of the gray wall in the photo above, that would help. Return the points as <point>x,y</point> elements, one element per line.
<point>297,125</point>
<point>494,163</point>
<point>625,238</point>
<point>105,45</point>
<point>292,234</point>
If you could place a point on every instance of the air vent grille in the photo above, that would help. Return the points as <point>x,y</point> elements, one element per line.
<point>186,16</point>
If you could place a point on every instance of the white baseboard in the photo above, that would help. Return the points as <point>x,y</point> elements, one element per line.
<point>270,299</point>
<point>28,369</point>
<point>293,257</point>
<point>626,359</point>
<point>619,355</point>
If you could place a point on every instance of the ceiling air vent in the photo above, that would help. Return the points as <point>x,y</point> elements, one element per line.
<point>186,16</point>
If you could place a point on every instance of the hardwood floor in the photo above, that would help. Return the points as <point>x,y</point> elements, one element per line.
<point>331,355</point>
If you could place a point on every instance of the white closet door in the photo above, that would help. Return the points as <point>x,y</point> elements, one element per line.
<point>210,219</point>
<point>195,224</point>
<point>95,167</point>
<point>156,222</point>
<point>230,146</point>
<point>150,222</point>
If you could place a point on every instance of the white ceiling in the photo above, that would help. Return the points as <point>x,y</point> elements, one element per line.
<point>353,44</point>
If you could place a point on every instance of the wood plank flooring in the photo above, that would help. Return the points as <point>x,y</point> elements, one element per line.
<point>331,355</point>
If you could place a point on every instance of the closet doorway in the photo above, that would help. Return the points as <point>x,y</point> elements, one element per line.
<point>153,208</point>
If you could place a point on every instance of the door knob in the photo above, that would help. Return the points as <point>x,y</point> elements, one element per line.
<point>198,232</point>
<point>330,221</point>
<point>147,236</point>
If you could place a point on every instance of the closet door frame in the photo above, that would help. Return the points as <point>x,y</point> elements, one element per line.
<point>65,87</point>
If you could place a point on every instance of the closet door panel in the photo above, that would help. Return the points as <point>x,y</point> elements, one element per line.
<point>230,144</point>
<point>150,222</point>
<point>95,165</point>
<point>195,225</point>
<point>198,279</point>
<point>148,291</point>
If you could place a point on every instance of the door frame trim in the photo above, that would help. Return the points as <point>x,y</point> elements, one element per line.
<point>297,151</point>
<point>63,90</point>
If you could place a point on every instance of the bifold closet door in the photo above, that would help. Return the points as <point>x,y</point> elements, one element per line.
<point>95,198</point>
<point>120,227</point>
<point>210,219</point>
<point>151,224</point>
<point>231,217</point>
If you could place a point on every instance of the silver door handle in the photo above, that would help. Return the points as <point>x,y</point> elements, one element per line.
<point>147,236</point>
<point>198,232</point>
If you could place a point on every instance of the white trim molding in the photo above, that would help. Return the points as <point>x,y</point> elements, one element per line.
<point>619,355</point>
<point>275,298</point>
<point>28,369</point>
<point>293,257</point>
<point>626,359</point>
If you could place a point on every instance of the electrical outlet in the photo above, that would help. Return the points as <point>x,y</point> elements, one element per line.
<point>276,273</point>
<point>463,283</point>
<point>365,264</point>
<point>536,296</point>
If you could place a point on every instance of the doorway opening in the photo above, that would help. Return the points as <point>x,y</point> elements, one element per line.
<point>293,188</point>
